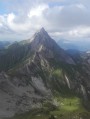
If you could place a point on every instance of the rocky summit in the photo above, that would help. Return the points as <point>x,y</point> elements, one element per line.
<point>34,71</point>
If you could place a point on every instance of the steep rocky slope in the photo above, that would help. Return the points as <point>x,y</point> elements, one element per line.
<point>33,70</point>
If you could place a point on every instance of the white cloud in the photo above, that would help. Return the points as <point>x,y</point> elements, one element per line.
<point>38,11</point>
<point>17,27</point>
<point>81,6</point>
<point>82,31</point>
<point>61,18</point>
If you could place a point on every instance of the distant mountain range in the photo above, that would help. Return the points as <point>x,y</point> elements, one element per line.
<point>4,44</point>
<point>81,45</point>
<point>34,71</point>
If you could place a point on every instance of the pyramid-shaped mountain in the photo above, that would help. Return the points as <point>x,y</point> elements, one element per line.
<point>32,71</point>
<point>40,42</point>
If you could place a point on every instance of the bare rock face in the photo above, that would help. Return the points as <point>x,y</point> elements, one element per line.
<point>18,98</point>
<point>41,42</point>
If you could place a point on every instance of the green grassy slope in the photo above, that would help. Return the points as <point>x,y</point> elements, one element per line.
<point>69,108</point>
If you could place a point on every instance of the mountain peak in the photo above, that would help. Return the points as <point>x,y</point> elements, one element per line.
<point>42,31</point>
<point>40,35</point>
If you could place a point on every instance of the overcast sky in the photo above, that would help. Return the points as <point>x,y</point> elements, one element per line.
<point>63,19</point>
